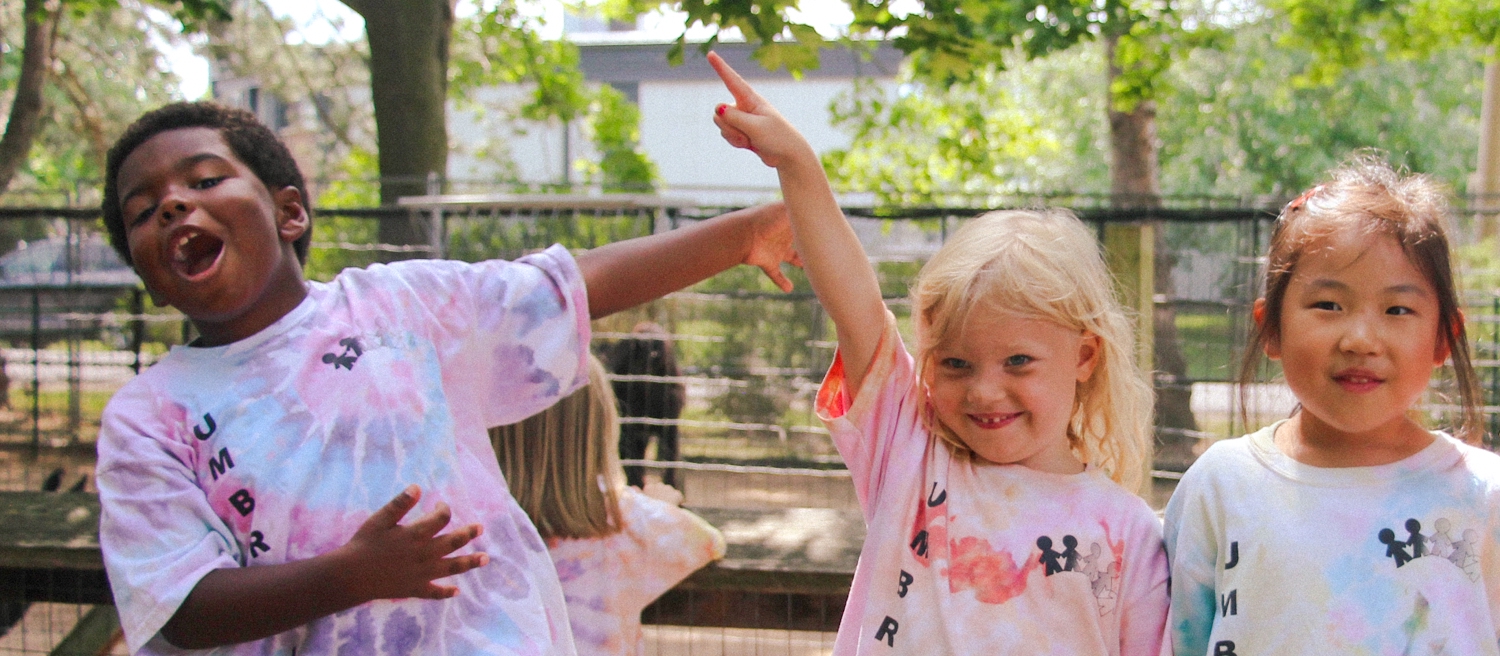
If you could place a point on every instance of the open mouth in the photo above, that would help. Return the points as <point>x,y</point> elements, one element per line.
<point>194,252</point>
<point>992,421</point>
<point>1358,382</point>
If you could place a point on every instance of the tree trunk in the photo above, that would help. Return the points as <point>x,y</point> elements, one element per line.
<point>409,86</point>
<point>26,109</point>
<point>1134,183</point>
<point>1486,187</point>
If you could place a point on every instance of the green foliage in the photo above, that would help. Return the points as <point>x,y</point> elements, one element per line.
<point>501,45</point>
<point>106,72</point>
<point>999,134</point>
<point>1347,34</point>
<point>1238,122</point>
<point>354,184</point>
<point>616,125</point>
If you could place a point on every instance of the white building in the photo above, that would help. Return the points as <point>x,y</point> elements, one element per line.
<point>676,106</point>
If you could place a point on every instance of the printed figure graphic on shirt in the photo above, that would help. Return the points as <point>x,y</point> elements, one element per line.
<point>1465,554</point>
<point>1415,539</point>
<point>1438,545</point>
<point>1103,572</point>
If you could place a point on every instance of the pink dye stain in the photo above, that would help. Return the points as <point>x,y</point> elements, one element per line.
<point>933,520</point>
<point>1117,547</point>
<point>993,575</point>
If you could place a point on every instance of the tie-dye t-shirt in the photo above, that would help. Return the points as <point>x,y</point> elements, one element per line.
<point>968,557</point>
<point>608,581</point>
<point>278,447</point>
<point>1271,556</point>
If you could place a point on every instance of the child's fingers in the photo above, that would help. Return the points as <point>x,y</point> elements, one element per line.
<point>450,542</point>
<point>774,273</point>
<point>744,95</point>
<point>460,564</point>
<point>428,525</point>
<point>435,591</point>
<point>391,513</point>
<point>731,134</point>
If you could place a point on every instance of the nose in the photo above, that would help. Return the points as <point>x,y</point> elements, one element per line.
<point>176,203</point>
<point>1359,336</point>
<point>985,389</point>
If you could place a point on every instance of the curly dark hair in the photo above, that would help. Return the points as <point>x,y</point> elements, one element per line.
<point>251,141</point>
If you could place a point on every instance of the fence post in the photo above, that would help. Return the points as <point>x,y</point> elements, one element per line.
<point>1130,254</point>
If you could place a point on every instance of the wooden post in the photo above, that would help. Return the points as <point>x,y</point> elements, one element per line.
<point>1130,254</point>
<point>1487,177</point>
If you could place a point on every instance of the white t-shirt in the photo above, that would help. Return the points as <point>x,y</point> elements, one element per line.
<point>278,447</point>
<point>1271,556</point>
<point>964,556</point>
<point>608,581</point>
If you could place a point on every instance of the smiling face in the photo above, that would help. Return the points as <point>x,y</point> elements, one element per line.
<point>1005,385</point>
<point>1359,339</point>
<point>206,235</point>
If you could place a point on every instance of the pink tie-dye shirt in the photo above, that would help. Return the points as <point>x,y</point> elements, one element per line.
<point>968,557</point>
<point>277,447</point>
<point>608,581</point>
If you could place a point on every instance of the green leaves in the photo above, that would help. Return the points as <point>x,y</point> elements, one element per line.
<point>500,45</point>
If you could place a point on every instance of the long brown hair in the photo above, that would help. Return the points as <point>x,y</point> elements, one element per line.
<point>1366,195</point>
<point>563,464</point>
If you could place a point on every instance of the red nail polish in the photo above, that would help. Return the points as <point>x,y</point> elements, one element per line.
<point>719,110</point>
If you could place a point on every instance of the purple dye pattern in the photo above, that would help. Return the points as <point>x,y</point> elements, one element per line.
<point>569,569</point>
<point>526,530</point>
<point>504,577</point>
<point>401,634</point>
<point>359,639</point>
<point>520,358</point>
<point>539,305</point>
<point>319,638</point>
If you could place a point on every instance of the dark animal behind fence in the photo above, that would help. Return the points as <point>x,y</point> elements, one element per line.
<point>651,355</point>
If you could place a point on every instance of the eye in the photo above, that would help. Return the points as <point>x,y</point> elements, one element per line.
<point>206,183</point>
<point>1019,360</point>
<point>1326,305</point>
<point>141,216</point>
<point>954,363</point>
<point>1399,310</point>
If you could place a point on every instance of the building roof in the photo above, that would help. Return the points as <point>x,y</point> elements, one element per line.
<point>623,61</point>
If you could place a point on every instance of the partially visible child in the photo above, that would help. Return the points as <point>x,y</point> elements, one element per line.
<point>647,352</point>
<point>254,481</point>
<point>1348,528</point>
<point>616,549</point>
<point>983,461</point>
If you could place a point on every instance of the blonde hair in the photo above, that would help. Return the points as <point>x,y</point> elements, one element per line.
<point>563,465</point>
<point>1366,196</point>
<point>1044,265</point>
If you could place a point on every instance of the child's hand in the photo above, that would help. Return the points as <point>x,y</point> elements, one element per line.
<point>390,561</point>
<point>662,492</point>
<point>771,241</point>
<point>752,123</point>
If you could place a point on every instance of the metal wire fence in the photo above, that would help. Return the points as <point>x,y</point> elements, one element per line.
<point>747,359</point>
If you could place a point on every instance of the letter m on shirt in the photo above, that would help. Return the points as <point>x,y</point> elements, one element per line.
<point>221,464</point>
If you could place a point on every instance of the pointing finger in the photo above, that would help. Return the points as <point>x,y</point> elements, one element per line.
<point>744,95</point>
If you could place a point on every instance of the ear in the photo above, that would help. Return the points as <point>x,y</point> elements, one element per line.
<point>1090,350</point>
<point>1273,342</point>
<point>291,215</point>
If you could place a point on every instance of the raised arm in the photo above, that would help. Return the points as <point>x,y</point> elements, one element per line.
<point>836,264</point>
<point>627,273</point>
<point>384,560</point>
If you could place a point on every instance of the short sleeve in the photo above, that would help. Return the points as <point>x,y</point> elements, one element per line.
<point>511,337</point>
<point>673,543</point>
<point>1144,596</point>
<point>1193,554</point>
<point>157,531</point>
<point>882,422</point>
